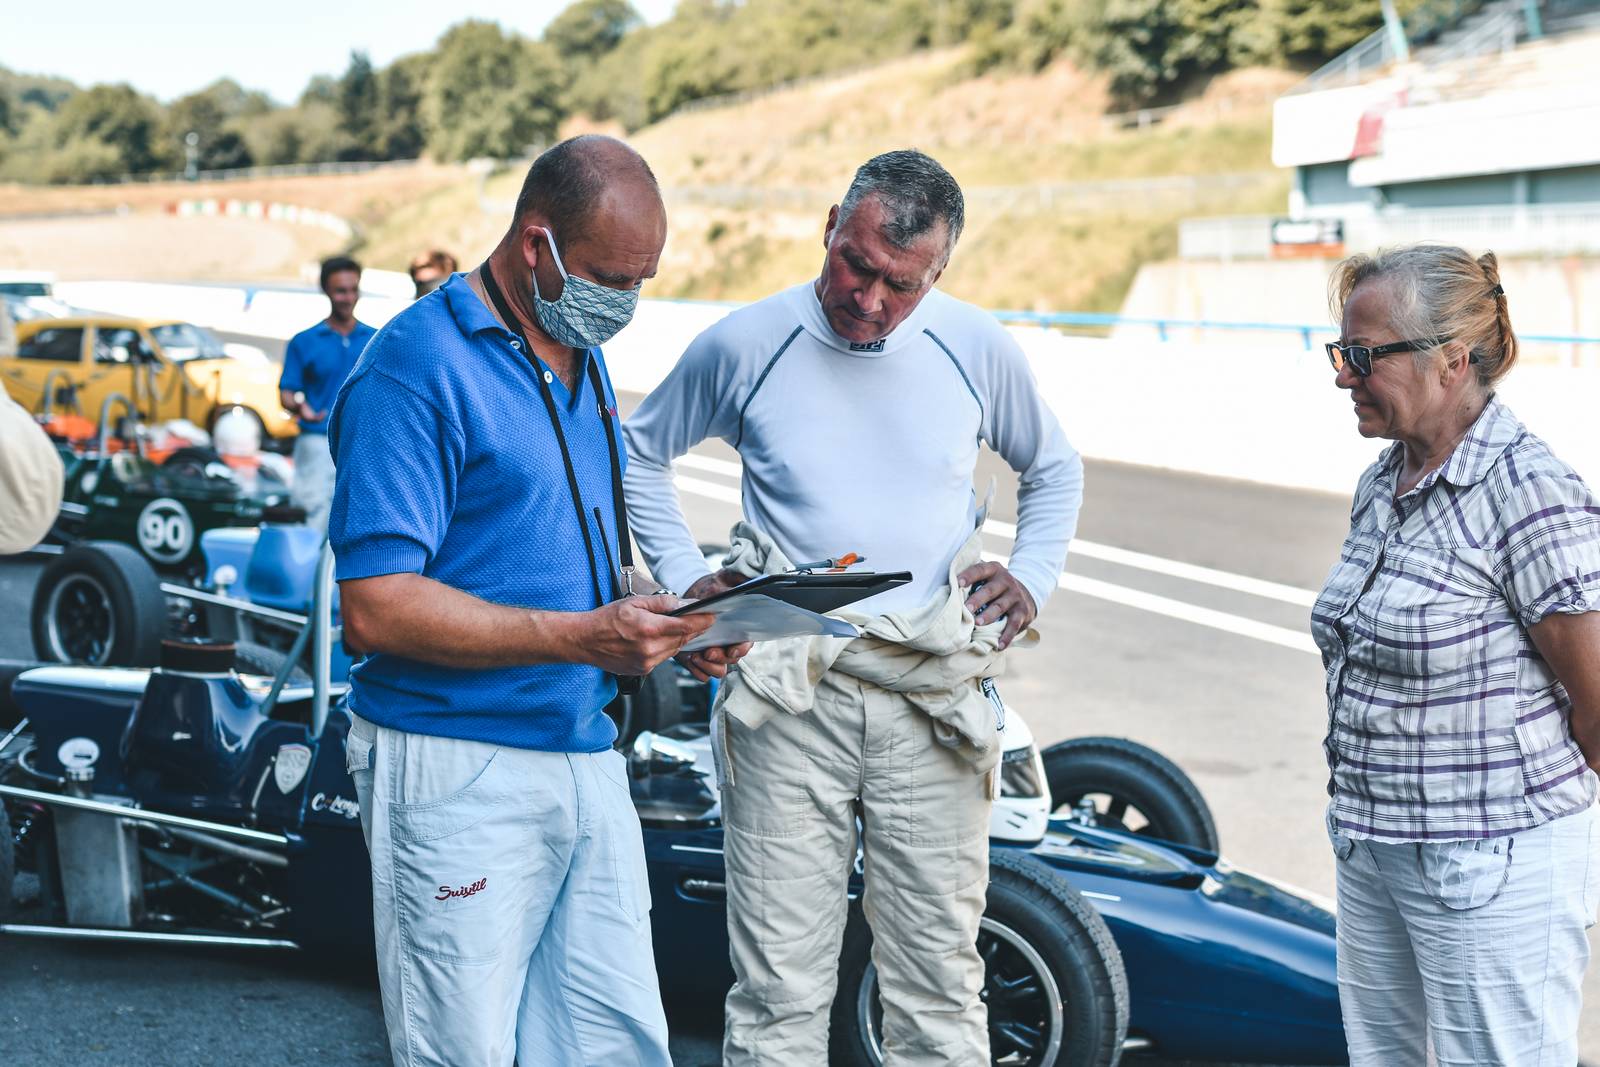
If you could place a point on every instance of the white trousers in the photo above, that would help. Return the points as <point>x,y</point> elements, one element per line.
<point>789,810</point>
<point>313,478</point>
<point>510,904</point>
<point>1475,948</point>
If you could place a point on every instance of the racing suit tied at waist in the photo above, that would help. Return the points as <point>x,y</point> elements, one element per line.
<point>934,656</point>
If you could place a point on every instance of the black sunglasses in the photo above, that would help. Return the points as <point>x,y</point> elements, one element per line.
<point>1360,357</point>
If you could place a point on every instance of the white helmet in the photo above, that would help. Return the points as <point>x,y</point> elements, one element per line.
<point>236,433</point>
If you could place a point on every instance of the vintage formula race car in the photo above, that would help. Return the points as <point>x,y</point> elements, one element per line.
<point>192,804</point>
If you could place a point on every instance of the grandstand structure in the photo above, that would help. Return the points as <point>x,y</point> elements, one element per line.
<point>1475,123</point>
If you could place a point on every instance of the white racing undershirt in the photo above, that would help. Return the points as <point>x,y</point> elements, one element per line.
<point>867,449</point>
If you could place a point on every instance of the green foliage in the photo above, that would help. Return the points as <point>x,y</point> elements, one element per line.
<point>589,29</point>
<point>398,132</point>
<point>1308,32</point>
<point>490,93</point>
<point>218,115</point>
<point>119,118</point>
<point>481,91</point>
<point>356,98</point>
<point>80,159</point>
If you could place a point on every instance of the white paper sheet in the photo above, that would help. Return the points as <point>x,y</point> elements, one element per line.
<point>762,618</point>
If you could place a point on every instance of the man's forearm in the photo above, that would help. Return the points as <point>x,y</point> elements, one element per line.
<point>422,619</point>
<point>1047,518</point>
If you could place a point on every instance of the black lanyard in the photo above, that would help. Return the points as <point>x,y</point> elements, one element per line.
<point>624,541</point>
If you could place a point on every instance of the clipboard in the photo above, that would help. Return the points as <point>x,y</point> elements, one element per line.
<point>815,591</point>
<point>786,605</point>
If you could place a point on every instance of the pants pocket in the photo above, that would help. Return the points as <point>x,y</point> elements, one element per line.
<point>455,859</point>
<point>720,760</point>
<point>625,839</point>
<point>1343,844</point>
<point>1465,875</point>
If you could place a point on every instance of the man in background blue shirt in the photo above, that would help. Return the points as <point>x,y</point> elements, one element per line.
<point>477,529</point>
<point>315,365</point>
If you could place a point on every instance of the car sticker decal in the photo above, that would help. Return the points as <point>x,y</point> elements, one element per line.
<point>289,769</point>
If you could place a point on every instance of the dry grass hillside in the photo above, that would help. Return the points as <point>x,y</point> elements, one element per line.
<point>748,184</point>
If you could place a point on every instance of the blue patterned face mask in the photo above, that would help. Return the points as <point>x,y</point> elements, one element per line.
<point>588,314</point>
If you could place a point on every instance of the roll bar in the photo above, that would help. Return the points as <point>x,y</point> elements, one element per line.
<point>322,638</point>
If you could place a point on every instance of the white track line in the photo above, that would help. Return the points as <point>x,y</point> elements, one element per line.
<point>1117,594</point>
<point>1288,594</point>
<point>706,463</point>
<point>701,487</point>
<point>1178,609</point>
<point>1241,583</point>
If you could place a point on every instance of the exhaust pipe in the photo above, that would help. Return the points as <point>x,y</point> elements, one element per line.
<point>157,818</point>
<point>89,933</point>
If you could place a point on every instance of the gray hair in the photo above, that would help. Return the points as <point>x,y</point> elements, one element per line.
<point>916,193</point>
<point>1441,294</point>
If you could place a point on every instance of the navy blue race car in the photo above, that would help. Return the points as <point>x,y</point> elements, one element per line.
<point>192,804</point>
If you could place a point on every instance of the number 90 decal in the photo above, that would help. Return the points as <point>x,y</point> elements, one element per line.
<point>166,533</point>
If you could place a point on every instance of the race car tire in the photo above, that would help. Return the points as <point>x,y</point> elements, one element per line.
<point>99,602</point>
<point>1133,787</point>
<point>191,460</point>
<point>1055,987</point>
<point>656,706</point>
<point>251,658</point>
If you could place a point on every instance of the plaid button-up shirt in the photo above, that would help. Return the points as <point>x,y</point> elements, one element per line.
<point>1444,722</point>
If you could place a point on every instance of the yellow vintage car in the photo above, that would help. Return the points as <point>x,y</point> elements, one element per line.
<point>171,370</point>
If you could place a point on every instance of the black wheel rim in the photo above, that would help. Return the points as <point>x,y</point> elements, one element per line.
<point>79,621</point>
<point>1027,1014</point>
<point>1116,813</point>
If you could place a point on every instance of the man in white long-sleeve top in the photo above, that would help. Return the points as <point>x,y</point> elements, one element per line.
<point>858,403</point>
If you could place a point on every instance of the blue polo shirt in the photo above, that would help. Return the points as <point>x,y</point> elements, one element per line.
<point>317,362</point>
<point>448,467</point>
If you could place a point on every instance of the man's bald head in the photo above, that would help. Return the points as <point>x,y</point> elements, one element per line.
<point>569,182</point>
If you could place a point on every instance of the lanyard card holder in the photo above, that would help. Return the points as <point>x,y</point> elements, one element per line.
<point>621,578</point>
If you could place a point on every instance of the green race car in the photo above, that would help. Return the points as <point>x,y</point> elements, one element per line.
<point>124,514</point>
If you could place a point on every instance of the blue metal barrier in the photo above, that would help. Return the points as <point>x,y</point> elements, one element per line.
<point>1163,326</point>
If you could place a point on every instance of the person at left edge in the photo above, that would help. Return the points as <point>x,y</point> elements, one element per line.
<point>315,365</point>
<point>476,523</point>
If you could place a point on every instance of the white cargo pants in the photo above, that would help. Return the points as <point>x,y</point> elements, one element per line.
<point>1475,949</point>
<point>789,805</point>
<point>510,904</point>
<point>313,479</point>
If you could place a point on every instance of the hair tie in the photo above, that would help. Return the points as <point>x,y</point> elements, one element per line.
<point>1497,291</point>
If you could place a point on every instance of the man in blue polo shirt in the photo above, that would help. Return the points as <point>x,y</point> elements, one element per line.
<point>315,365</point>
<point>478,527</point>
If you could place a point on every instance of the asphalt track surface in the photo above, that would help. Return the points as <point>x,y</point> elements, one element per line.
<point>1181,623</point>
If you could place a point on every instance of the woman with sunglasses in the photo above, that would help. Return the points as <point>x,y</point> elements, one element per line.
<point>1460,633</point>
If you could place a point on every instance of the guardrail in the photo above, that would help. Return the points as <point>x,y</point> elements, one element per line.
<point>1165,326</point>
<point>284,170</point>
<point>1377,50</point>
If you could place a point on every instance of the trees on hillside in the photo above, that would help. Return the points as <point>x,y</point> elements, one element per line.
<point>589,29</point>
<point>110,130</point>
<point>490,93</point>
<point>482,91</point>
<point>1152,47</point>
